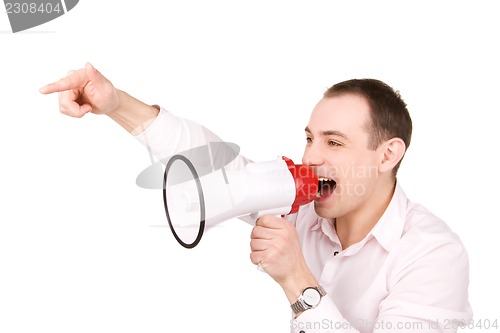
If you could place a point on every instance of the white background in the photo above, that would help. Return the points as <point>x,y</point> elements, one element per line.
<point>83,249</point>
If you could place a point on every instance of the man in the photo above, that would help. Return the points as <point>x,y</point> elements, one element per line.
<point>361,257</point>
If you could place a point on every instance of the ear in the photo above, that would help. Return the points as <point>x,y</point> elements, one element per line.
<point>392,151</point>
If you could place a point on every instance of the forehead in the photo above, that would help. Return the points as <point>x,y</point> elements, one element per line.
<point>347,113</point>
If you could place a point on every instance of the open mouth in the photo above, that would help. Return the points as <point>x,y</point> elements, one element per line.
<point>326,186</point>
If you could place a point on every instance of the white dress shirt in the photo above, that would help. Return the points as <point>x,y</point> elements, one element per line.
<point>409,274</point>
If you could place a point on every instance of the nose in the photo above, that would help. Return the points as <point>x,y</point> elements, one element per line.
<point>312,155</point>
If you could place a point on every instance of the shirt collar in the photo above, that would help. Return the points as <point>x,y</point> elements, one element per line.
<point>387,231</point>
<point>389,227</point>
<point>326,226</point>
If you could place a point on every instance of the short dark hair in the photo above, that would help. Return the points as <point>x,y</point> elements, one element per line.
<point>389,116</point>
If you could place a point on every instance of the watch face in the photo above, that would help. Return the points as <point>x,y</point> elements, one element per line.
<point>311,297</point>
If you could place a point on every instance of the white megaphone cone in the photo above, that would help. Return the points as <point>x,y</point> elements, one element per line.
<point>276,187</point>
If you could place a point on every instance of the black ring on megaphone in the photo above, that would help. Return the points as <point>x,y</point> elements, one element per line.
<point>200,195</point>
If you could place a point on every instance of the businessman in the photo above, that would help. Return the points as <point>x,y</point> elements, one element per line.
<point>360,258</point>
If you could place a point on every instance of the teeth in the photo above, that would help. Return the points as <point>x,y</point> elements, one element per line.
<point>323,179</point>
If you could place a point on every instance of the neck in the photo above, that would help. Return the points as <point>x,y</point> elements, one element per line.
<point>353,227</point>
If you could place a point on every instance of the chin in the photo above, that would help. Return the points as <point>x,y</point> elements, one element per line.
<point>324,210</point>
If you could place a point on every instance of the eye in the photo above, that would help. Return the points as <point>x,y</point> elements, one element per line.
<point>309,139</point>
<point>334,143</point>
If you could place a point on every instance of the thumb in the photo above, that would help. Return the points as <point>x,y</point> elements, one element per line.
<point>93,74</point>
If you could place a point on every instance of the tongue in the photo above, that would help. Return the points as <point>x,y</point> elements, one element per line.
<point>326,188</point>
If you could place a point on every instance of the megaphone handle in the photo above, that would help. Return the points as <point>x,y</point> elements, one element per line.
<point>276,211</point>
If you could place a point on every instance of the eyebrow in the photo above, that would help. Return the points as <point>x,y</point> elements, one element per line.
<point>330,132</point>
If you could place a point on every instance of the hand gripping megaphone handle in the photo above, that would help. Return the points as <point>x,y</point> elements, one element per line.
<point>276,211</point>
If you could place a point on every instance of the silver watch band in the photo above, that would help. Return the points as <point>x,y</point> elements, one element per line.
<point>298,307</point>
<point>322,291</point>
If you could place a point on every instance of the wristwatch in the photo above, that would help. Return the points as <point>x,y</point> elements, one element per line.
<point>309,299</point>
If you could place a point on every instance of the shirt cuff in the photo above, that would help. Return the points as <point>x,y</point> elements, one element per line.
<point>325,318</point>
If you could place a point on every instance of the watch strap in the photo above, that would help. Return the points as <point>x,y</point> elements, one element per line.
<point>298,306</point>
<point>322,291</point>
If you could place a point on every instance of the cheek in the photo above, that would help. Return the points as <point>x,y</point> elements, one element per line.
<point>367,171</point>
<point>359,169</point>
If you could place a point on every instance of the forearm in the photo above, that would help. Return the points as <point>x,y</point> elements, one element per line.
<point>132,114</point>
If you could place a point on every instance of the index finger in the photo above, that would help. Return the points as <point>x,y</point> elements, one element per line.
<point>74,80</point>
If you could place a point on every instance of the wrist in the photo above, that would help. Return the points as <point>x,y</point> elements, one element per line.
<point>294,287</point>
<point>119,106</point>
<point>132,114</point>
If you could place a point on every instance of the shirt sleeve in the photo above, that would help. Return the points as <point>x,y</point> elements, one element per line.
<point>427,292</point>
<point>169,134</point>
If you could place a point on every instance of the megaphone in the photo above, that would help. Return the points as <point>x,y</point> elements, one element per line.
<point>193,201</point>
